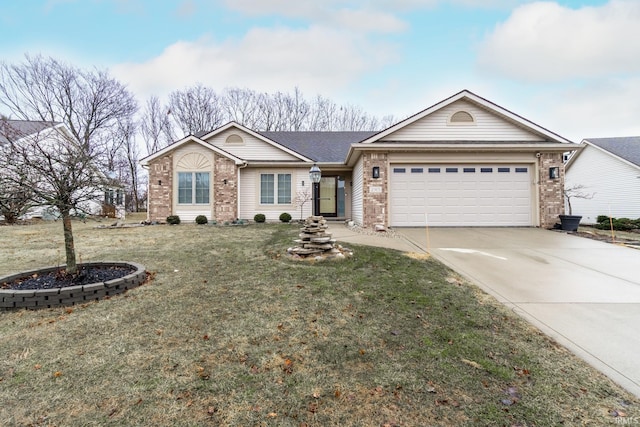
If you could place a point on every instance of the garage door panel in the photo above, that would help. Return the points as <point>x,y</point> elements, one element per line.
<point>461,195</point>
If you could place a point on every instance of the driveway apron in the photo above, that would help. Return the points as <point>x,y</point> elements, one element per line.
<point>583,293</point>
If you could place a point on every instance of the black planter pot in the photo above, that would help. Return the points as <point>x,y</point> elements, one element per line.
<point>570,222</point>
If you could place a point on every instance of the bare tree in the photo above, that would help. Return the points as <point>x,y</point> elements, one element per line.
<point>155,126</point>
<point>242,106</point>
<point>131,167</point>
<point>196,109</point>
<point>56,170</point>
<point>67,169</point>
<point>298,110</point>
<point>15,198</point>
<point>89,103</point>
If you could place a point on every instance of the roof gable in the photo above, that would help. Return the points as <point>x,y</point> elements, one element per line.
<point>513,126</point>
<point>625,148</point>
<point>258,147</point>
<point>186,140</point>
<point>13,130</point>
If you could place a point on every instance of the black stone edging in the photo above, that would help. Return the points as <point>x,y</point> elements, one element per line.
<point>58,297</point>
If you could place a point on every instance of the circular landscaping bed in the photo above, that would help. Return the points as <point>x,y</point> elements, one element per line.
<point>52,287</point>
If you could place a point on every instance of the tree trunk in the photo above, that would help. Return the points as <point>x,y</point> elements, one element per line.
<point>69,247</point>
<point>9,217</point>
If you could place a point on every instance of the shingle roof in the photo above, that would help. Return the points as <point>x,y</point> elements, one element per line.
<point>627,148</point>
<point>331,147</point>
<point>16,129</point>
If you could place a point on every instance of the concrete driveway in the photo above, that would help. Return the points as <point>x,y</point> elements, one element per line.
<point>583,293</point>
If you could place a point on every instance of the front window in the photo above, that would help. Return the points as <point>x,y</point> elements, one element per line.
<point>275,189</point>
<point>113,196</point>
<point>193,187</point>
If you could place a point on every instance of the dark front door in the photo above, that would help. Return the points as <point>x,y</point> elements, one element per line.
<point>328,196</point>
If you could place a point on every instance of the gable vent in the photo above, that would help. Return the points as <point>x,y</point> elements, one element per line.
<point>234,139</point>
<point>461,117</point>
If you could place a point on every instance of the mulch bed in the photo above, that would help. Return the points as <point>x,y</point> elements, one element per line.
<point>60,278</point>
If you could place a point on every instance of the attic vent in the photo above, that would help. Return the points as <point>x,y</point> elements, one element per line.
<point>234,139</point>
<point>461,117</point>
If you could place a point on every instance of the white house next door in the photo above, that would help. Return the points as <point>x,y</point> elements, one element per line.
<point>461,195</point>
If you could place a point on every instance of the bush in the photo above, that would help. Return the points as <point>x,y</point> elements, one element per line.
<point>285,217</point>
<point>201,219</point>
<point>173,219</point>
<point>620,224</point>
<point>259,218</point>
<point>602,218</point>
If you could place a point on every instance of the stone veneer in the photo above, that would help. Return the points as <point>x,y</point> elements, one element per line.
<point>551,195</point>
<point>374,204</point>
<point>160,195</point>
<point>225,196</point>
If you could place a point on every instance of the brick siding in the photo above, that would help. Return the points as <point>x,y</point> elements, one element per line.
<point>551,195</point>
<point>225,196</point>
<point>374,204</point>
<point>160,188</point>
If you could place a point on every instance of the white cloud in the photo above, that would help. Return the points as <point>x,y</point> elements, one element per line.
<point>317,60</point>
<point>544,41</point>
<point>355,15</point>
<point>600,108</point>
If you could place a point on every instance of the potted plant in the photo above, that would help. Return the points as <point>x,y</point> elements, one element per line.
<point>570,222</point>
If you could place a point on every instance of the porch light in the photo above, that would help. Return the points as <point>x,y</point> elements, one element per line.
<point>376,172</point>
<point>315,174</point>
<point>554,172</point>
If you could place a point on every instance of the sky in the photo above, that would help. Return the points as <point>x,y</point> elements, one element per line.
<point>571,66</point>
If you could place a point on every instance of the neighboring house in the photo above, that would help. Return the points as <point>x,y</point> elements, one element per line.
<point>108,201</point>
<point>609,171</point>
<point>464,161</point>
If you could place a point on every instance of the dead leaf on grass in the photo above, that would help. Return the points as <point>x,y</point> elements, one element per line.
<point>287,366</point>
<point>472,363</point>
<point>272,415</point>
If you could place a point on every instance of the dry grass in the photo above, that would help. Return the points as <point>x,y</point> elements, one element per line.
<point>230,332</point>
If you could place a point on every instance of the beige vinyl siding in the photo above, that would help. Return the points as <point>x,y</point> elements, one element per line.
<point>251,147</point>
<point>250,194</point>
<point>192,157</point>
<point>614,184</point>
<point>487,127</point>
<point>357,211</point>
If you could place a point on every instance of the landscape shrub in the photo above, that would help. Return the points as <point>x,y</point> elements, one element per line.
<point>602,218</point>
<point>173,219</point>
<point>259,218</point>
<point>285,217</point>
<point>201,219</point>
<point>620,224</point>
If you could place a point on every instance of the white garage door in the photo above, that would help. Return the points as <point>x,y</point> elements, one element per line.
<point>461,195</point>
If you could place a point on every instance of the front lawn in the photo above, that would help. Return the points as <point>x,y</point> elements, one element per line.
<point>230,332</point>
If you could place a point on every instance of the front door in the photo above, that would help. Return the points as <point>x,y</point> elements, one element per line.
<point>328,196</point>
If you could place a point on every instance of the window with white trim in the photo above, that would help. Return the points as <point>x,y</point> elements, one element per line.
<point>275,189</point>
<point>193,188</point>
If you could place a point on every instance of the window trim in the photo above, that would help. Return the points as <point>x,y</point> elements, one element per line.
<point>276,174</point>
<point>194,189</point>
